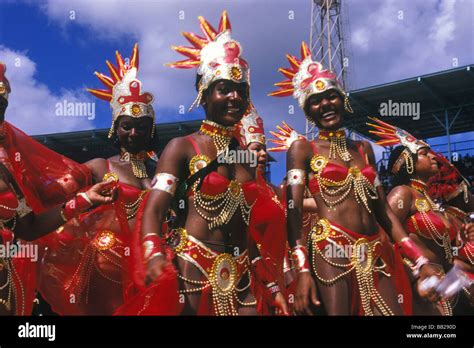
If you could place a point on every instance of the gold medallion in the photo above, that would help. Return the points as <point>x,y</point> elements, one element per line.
<point>223,275</point>
<point>136,110</point>
<point>422,205</point>
<point>197,163</point>
<point>236,73</point>
<point>320,85</point>
<point>318,163</point>
<point>105,240</point>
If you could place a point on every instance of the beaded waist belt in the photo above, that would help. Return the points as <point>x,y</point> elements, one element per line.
<point>331,241</point>
<point>221,270</point>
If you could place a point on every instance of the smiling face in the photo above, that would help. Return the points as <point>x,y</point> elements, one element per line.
<point>426,164</point>
<point>134,134</point>
<point>326,110</point>
<point>226,102</point>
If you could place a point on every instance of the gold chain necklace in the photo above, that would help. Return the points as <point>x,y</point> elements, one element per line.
<point>137,162</point>
<point>220,135</point>
<point>338,143</point>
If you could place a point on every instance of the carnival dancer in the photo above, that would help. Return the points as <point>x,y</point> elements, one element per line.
<point>429,228</point>
<point>92,273</point>
<point>267,225</point>
<point>29,209</point>
<point>282,140</point>
<point>351,259</point>
<point>214,199</point>
<point>451,189</point>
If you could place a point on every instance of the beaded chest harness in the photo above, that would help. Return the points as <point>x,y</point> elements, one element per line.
<point>363,189</point>
<point>423,206</point>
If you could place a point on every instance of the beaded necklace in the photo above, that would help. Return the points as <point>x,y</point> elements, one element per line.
<point>220,135</point>
<point>137,162</point>
<point>338,143</point>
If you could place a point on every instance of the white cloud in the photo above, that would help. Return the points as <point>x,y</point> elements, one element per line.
<point>442,30</point>
<point>32,106</point>
<point>360,39</point>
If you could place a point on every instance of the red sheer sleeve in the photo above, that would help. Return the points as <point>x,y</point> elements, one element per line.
<point>45,177</point>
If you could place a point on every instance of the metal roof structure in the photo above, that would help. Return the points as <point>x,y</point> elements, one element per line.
<point>445,100</point>
<point>83,146</point>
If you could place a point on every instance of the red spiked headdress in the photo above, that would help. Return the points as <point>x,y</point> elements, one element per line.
<point>124,90</point>
<point>305,78</point>
<point>391,135</point>
<point>284,138</point>
<point>216,55</point>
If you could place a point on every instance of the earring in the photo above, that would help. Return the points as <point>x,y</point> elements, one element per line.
<point>347,105</point>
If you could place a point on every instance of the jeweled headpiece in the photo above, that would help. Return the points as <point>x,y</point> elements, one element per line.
<point>284,138</point>
<point>124,90</point>
<point>216,55</point>
<point>4,83</point>
<point>306,77</point>
<point>250,128</point>
<point>392,135</point>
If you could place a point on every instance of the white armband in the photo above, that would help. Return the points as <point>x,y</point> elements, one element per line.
<point>295,177</point>
<point>165,182</point>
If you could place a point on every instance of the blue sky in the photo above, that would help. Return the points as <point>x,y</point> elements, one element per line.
<point>53,47</point>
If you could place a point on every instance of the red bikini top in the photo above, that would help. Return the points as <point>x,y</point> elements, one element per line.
<point>336,173</point>
<point>129,193</point>
<point>215,183</point>
<point>8,204</point>
<point>418,224</point>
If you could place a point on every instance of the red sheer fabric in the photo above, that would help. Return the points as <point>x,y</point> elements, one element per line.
<point>45,177</point>
<point>160,297</point>
<point>85,271</point>
<point>267,228</point>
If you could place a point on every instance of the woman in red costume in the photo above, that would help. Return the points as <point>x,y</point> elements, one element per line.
<point>214,201</point>
<point>351,262</point>
<point>450,188</point>
<point>429,228</point>
<point>29,209</point>
<point>285,136</point>
<point>267,225</point>
<point>91,273</point>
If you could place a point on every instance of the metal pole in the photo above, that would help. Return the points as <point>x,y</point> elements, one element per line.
<point>446,121</point>
<point>328,23</point>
